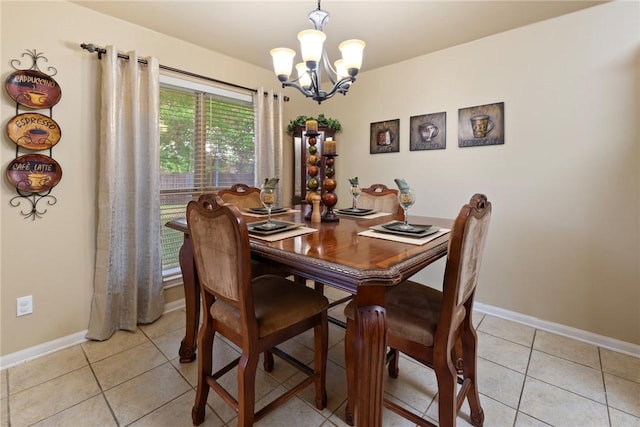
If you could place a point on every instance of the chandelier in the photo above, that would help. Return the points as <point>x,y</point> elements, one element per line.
<point>309,70</point>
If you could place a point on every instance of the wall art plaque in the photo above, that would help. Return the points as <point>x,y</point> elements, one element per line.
<point>34,173</point>
<point>428,132</point>
<point>33,131</point>
<point>481,125</point>
<point>33,89</point>
<point>385,137</point>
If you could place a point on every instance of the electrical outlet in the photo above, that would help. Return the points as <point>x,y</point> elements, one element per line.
<point>24,305</point>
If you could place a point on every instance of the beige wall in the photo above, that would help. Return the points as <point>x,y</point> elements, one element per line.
<point>564,243</point>
<point>52,258</point>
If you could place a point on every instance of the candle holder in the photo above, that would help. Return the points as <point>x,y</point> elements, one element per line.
<point>329,198</point>
<point>313,160</point>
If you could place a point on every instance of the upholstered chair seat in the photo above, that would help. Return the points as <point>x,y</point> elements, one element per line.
<point>413,310</point>
<point>277,305</point>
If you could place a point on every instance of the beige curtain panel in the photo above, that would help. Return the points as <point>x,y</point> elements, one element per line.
<point>128,286</point>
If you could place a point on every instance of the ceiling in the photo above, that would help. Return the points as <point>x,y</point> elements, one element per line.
<point>394,30</point>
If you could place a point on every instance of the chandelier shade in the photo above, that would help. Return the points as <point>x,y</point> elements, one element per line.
<point>315,61</point>
<point>282,61</point>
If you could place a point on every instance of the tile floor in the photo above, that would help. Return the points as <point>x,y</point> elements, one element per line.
<point>527,377</point>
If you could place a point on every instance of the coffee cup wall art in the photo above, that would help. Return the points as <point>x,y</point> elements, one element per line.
<point>481,125</point>
<point>33,131</point>
<point>428,132</point>
<point>385,137</point>
<point>34,173</point>
<point>33,89</point>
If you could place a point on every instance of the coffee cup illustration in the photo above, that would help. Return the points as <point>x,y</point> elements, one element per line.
<point>428,131</point>
<point>481,125</point>
<point>38,136</point>
<point>36,98</point>
<point>385,137</point>
<point>38,180</point>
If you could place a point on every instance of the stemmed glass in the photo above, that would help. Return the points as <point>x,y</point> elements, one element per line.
<point>406,198</point>
<point>355,192</point>
<point>268,199</point>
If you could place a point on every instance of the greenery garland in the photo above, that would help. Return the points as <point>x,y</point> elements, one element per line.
<point>322,122</point>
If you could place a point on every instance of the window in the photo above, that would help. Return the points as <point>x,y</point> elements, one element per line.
<point>206,143</point>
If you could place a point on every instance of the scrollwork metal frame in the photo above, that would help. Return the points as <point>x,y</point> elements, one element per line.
<point>34,198</point>
<point>35,56</point>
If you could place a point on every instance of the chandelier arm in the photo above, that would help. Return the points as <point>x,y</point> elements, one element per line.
<point>328,68</point>
<point>315,81</point>
<point>302,90</point>
<point>341,86</point>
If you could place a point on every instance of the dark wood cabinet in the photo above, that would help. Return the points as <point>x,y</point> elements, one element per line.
<point>300,154</point>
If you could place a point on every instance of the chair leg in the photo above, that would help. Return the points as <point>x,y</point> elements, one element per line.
<point>393,363</point>
<point>447,382</point>
<point>205,345</point>
<point>469,345</point>
<point>247,367</point>
<point>321,343</point>
<point>268,361</point>
<point>351,368</point>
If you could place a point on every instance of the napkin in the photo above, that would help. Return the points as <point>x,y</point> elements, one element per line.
<point>271,182</point>
<point>402,185</point>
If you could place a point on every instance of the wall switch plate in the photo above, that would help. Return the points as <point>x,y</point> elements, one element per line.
<point>24,305</point>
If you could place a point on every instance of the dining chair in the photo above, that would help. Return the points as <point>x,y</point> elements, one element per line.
<point>241,195</point>
<point>254,313</point>
<point>380,198</point>
<point>433,327</point>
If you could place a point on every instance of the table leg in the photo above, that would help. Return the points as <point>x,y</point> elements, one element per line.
<point>191,285</point>
<point>371,345</point>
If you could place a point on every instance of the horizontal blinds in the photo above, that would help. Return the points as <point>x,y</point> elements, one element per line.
<point>207,142</point>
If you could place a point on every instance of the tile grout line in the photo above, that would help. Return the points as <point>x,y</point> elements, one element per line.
<point>526,372</point>
<point>95,377</point>
<point>604,385</point>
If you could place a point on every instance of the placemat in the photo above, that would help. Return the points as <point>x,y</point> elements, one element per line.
<point>257,215</point>
<point>285,234</point>
<point>370,216</point>
<point>403,239</point>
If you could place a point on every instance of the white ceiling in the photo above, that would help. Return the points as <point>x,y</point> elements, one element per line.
<point>394,30</point>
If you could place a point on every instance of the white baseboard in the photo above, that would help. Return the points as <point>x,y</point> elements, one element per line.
<point>40,350</point>
<point>578,334</point>
<point>556,328</point>
<point>174,305</point>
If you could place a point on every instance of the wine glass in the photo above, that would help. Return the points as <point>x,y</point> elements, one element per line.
<point>406,198</point>
<point>355,192</point>
<point>268,199</point>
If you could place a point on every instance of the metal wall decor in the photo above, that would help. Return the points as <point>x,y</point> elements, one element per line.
<point>385,137</point>
<point>481,125</point>
<point>428,132</point>
<point>33,174</point>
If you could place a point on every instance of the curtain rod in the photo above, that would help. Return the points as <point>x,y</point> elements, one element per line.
<point>101,51</point>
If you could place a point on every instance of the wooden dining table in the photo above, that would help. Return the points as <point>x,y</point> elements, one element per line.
<point>337,256</point>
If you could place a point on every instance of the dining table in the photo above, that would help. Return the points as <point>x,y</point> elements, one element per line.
<point>347,255</point>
